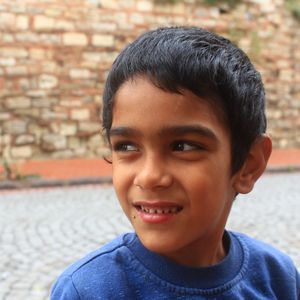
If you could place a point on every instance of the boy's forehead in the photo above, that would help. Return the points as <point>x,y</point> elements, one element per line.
<point>140,104</point>
<point>140,95</point>
<point>144,96</point>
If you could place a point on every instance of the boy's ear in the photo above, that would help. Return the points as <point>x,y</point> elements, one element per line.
<point>254,165</point>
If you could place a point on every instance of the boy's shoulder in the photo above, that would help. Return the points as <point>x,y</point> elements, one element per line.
<point>97,267</point>
<point>100,256</point>
<point>265,260</point>
<point>261,249</point>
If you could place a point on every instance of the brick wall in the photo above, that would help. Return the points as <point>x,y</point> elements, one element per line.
<point>55,54</point>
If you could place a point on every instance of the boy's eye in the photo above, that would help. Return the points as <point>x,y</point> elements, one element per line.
<point>124,147</point>
<point>185,146</point>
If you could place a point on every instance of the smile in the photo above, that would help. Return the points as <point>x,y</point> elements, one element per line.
<point>157,211</point>
<point>153,210</point>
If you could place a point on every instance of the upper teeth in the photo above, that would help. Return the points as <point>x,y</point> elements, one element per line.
<point>148,210</point>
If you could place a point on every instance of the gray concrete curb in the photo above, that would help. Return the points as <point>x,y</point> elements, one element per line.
<point>44,183</point>
<point>283,169</point>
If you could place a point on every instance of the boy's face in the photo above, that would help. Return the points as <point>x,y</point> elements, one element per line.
<point>172,171</point>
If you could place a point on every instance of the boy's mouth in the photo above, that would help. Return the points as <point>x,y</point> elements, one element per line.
<point>158,210</point>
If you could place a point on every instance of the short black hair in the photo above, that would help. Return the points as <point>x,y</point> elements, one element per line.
<point>190,58</point>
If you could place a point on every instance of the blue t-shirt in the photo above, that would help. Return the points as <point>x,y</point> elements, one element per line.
<point>125,269</point>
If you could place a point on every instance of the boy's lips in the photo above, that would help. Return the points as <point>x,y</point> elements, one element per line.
<point>156,211</point>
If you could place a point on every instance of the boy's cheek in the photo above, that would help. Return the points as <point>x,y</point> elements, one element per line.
<point>121,183</point>
<point>119,173</point>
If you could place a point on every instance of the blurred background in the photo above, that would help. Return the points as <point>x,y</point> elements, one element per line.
<point>55,55</point>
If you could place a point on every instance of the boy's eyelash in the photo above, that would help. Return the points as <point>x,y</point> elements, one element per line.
<point>125,146</point>
<point>118,146</point>
<point>190,144</point>
<point>121,146</point>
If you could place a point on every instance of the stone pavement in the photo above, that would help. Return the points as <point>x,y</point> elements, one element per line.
<point>44,230</point>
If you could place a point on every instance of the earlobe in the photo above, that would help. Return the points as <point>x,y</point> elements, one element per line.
<point>254,165</point>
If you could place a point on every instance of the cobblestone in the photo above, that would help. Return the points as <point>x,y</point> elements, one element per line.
<point>44,230</point>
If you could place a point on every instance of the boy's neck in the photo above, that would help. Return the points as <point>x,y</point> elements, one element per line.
<point>201,256</point>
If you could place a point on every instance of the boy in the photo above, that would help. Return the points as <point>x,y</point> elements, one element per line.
<point>184,116</point>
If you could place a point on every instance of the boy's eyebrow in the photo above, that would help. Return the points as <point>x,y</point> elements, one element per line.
<point>122,131</point>
<point>190,129</point>
<point>171,130</point>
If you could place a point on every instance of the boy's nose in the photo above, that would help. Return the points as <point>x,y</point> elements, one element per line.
<point>153,174</point>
